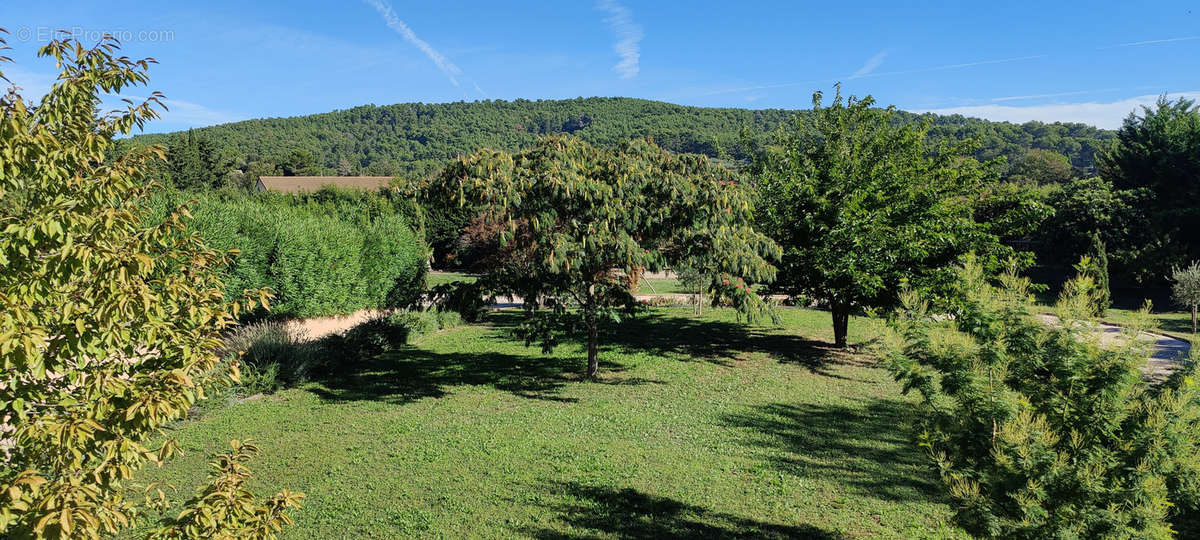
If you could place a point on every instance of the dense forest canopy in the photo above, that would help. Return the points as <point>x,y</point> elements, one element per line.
<point>417,138</point>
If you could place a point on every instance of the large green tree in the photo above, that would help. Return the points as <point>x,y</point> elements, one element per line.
<point>109,322</point>
<point>578,220</point>
<point>1157,154</point>
<point>1041,167</point>
<point>862,205</point>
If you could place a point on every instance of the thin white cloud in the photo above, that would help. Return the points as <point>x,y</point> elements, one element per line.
<point>1056,94</point>
<point>629,37</point>
<point>179,113</point>
<point>872,64</point>
<point>881,74</point>
<point>32,84</point>
<point>1103,115</point>
<point>196,115</point>
<point>1151,42</point>
<point>393,21</point>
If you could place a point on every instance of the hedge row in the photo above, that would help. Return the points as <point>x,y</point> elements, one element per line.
<point>319,257</point>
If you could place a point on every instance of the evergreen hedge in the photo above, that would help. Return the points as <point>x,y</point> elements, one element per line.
<point>320,256</point>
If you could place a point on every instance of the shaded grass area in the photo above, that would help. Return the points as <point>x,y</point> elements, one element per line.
<point>698,427</point>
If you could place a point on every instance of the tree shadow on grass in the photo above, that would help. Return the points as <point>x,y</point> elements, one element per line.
<point>688,338</point>
<point>867,446</point>
<point>410,373</point>
<point>400,373</point>
<point>628,513</point>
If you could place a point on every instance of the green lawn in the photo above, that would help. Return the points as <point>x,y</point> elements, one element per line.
<point>433,279</point>
<point>661,286</point>
<point>1171,322</point>
<point>699,427</point>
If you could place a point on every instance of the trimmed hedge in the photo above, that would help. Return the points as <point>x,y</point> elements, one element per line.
<point>320,257</point>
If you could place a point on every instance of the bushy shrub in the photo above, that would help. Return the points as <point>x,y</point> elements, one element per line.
<point>393,263</point>
<point>315,267</point>
<point>381,334</point>
<point>417,323</point>
<point>1037,430</point>
<point>449,319</point>
<point>468,300</point>
<point>270,355</point>
<point>319,255</point>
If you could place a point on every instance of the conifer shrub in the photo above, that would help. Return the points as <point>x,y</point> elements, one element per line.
<point>1035,428</point>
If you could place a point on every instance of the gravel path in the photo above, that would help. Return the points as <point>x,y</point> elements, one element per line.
<point>1167,350</point>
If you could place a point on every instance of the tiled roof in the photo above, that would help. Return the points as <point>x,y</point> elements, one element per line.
<point>296,184</point>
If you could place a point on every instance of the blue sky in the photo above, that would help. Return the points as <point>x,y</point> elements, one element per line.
<point>222,61</point>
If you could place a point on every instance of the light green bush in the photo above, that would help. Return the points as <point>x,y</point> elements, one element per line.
<point>319,256</point>
<point>393,263</point>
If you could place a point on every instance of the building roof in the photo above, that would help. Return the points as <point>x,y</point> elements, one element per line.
<point>296,184</point>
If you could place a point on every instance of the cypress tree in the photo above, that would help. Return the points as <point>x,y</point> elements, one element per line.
<point>1100,256</point>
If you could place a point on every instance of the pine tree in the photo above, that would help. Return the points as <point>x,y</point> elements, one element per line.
<point>1038,430</point>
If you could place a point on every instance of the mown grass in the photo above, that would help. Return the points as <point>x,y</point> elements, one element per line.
<point>699,427</point>
<point>661,286</point>
<point>433,279</point>
<point>1174,323</point>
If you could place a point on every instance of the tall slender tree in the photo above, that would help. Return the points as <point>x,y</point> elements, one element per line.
<point>1099,256</point>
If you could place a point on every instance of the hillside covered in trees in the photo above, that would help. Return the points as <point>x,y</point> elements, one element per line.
<point>416,138</point>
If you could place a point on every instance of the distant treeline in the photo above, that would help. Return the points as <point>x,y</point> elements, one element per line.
<point>413,139</point>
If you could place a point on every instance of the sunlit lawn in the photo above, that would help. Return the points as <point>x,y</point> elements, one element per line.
<point>699,427</point>
<point>434,279</point>
<point>1171,322</point>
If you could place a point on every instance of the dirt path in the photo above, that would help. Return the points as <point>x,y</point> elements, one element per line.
<point>1167,350</point>
<point>319,327</point>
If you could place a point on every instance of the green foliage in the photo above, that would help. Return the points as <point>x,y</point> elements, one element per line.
<point>1099,257</point>
<point>393,263</point>
<point>1041,167</point>
<point>1186,288</point>
<point>1088,285</point>
<point>579,219</point>
<point>193,163</point>
<point>467,299</point>
<point>415,139</point>
<point>1157,156</point>
<point>862,205</point>
<point>1037,430</point>
<point>271,355</point>
<point>225,509</point>
<point>315,263</point>
<point>327,253</point>
<point>1091,205</point>
<point>108,319</point>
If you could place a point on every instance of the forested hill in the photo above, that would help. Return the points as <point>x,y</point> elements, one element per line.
<point>413,138</point>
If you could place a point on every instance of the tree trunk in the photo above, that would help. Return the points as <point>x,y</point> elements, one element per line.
<point>841,323</point>
<point>593,365</point>
<point>1193,319</point>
